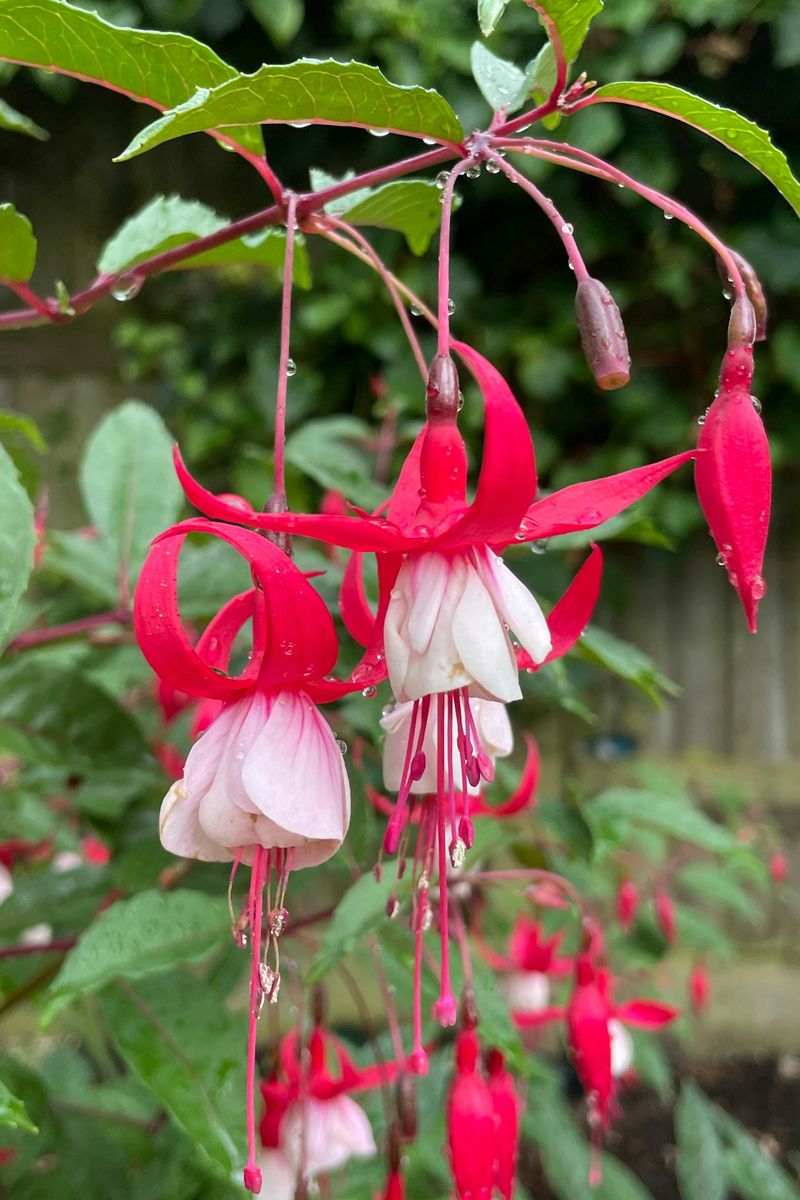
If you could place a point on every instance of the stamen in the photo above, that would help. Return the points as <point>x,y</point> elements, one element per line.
<point>397,820</point>
<point>445,1007</point>
<point>260,868</point>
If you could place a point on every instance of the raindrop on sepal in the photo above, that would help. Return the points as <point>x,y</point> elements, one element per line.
<point>342,745</point>
<point>369,693</point>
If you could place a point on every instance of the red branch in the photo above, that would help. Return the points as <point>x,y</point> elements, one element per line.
<point>38,637</point>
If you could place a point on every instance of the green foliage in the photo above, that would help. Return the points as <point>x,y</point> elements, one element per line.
<point>700,1164</point>
<point>728,127</point>
<point>17,541</point>
<point>17,245</point>
<point>12,1111</point>
<point>501,83</point>
<point>569,19</point>
<point>306,91</point>
<point>16,122</point>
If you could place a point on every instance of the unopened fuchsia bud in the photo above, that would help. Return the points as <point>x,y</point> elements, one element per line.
<point>699,988</point>
<point>665,915</point>
<point>778,867</point>
<point>603,335</point>
<point>627,903</point>
<point>405,1096</point>
<point>755,292</point>
<point>470,1124</point>
<point>733,474</point>
<point>506,1110</point>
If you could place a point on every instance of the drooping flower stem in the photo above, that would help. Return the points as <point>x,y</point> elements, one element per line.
<point>563,228</point>
<point>443,346</point>
<point>283,357</point>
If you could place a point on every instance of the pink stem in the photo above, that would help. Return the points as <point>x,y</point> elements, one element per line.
<point>38,637</point>
<point>58,944</point>
<point>562,227</point>
<point>388,280</point>
<point>590,164</point>
<point>283,357</point>
<point>40,306</point>
<point>443,346</point>
<point>252,1174</point>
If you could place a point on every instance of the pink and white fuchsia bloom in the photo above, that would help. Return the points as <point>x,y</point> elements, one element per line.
<point>265,785</point>
<point>494,738</point>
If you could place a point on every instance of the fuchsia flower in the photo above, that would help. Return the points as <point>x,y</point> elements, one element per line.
<point>266,784</point>
<point>733,474</point>
<point>665,915</point>
<point>471,1124</point>
<point>310,1124</point>
<point>699,988</point>
<point>531,959</point>
<point>590,1016</point>
<point>778,867</point>
<point>447,602</point>
<point>506,1105</point>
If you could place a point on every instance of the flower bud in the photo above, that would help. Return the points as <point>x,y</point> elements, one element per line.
<point>442,396</point>
<point>699,988</point>
<point>665,915</point>
<point>742,325</point>
<point>778,867</point>
<point>506,1111</point>
<point>405,1096</point>
<point>755,292</point>
<point>603,335</point>
<point>627,903</point>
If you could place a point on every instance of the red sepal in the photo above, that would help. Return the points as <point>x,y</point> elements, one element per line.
<point>646,1014</point>
<point>524,795</point>
<point>570,616</point>
<point>358,617</point>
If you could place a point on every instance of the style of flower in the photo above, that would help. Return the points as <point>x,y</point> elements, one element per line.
<point>310,1123</point>
<point>265,785</point>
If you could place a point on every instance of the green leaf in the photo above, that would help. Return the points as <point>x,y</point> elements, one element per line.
<point>569,20</point>
<point>84,561</point>
<point>712,884</point>
<point>280,19</point>
<point>726,126</point>
<point>169,221</point>
<point>753,1174</point>
<point>58,717</point>
<point>489,13</point>
<point>697,932</point>
<point>330,451</point>
<point>411,206</point>
<point>17,245</point>
<point>16,122</point>
<point>128,483</point>
<point>12,1111</point>
<point>665,813</point>
<point>160,69</point>
<point>627,661</point>
<point>501,83</point>
<point>138,937</point>
<point>17,542</point>
<point>361,910</point>
<point>699,1166</point>
<point>652,1064</point>
<point>310,90</point>
<point>189,1051</point>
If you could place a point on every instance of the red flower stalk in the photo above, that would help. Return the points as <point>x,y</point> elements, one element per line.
<point>627,903</point>
<point>733,474</point>
<point>665,915</point>
<point>471,1124</point>
<point>266,784</point>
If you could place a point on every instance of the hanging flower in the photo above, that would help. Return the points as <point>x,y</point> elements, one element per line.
<point>506,1105</point>
<point>471,1124</point>
<point>531,959</point>
<point>265,785</point>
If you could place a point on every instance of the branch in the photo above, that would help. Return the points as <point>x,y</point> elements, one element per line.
<point>38,637</point>
<point>307,203</point>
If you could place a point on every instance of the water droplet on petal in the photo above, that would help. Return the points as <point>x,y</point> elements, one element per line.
<point>342,745</point>
<point>590,516</point>
<point>369,693</point>
<point>720,560</point>
<point>459,407</point>
<point>701,420</point>
<point>540,546</point>
<point>756,403</point>
<point>758,587</point>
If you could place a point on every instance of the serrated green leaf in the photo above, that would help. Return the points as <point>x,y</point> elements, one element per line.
<point>188,1051</point>
<point>58,717</point>
<point>160,69</point>
<point>17,122</point>
<point>625,660</point>
<point>169,221</point>
<point>83,561</point>
<point>743,137</point>
<point>753,1174</point>
<point>148,933</point>
<point>489,13</point>
<point>330,450</point>
<point>570,19</point>
<point>17,245</point>
<point>411,206</point>
<point>12,1111</point>
<point>310,90</point>
<point>501,83</point>
<point>665,813</point>
<point>714,884</point>
<point>17,542</point>
<point>128,483</point>
<point>361,910</point>
<point>700,1165</point>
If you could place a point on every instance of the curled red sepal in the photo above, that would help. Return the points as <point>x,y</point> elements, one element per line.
<point>357,616</point>
<point>522,797</point>
<point>534,1018</point>
<point>587,505</point>
<point>294,640</point>
<point>570,616</point>
<point>733,477</point>
<point>646,1014</point>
